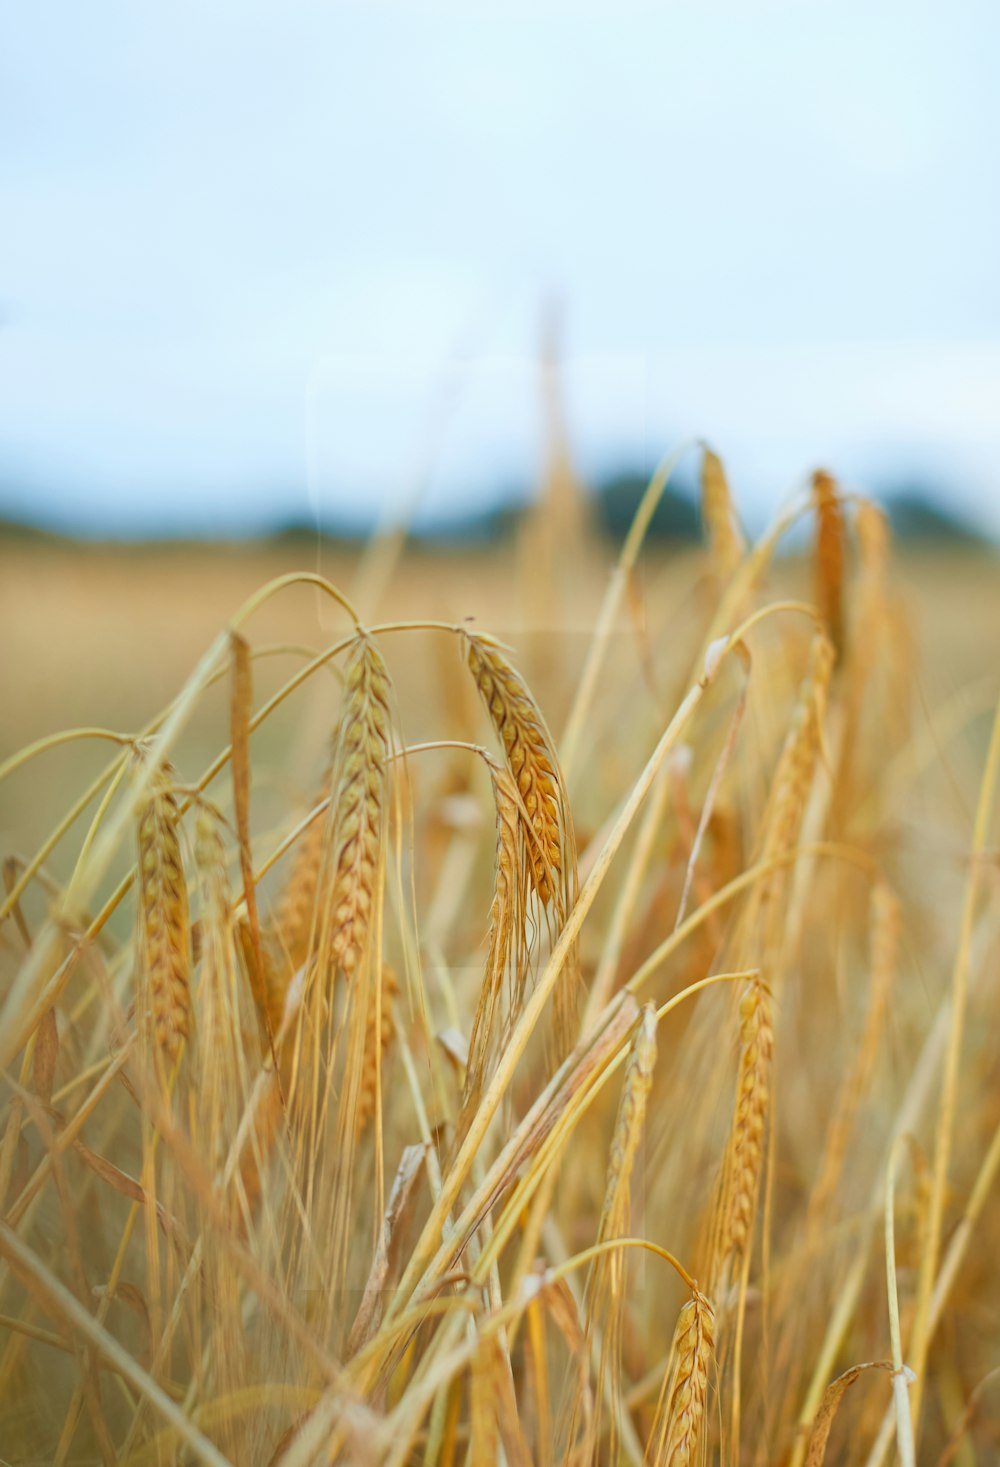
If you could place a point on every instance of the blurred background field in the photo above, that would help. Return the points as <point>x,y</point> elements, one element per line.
<point>105,634</point>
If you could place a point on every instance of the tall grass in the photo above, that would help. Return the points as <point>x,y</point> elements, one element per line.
<point>479,1097</point>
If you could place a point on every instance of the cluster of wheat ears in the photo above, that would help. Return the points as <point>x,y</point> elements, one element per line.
<point>373,1138</point>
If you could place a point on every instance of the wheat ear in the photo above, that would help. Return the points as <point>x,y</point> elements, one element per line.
<point>294,918</point>
<point>629,1125</point>
<point>725,538</point>
<point>803,743</point>
<point>216,1091</point>
<point>681,1411</point>
<point>359,798</point>
<point>830,556</point>
<point>165,999</point>
<point>746,1146</point>
<point>532,760</point>
<point>379,1034</point>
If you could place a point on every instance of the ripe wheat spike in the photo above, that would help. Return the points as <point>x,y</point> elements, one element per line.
<point>358,802</point>
<point>681,1412</point>
<point>381,1031</point>
<point>164,926</point>
<point>531,757</point>
<point>726,542</point>
<point>746,1144</point>
<point>831,554</point>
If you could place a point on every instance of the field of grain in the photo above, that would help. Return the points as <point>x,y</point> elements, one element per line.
<point>525,1004</point>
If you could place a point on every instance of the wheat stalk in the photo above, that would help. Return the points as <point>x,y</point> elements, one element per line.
<point>884,944</point>
<point>507,945</point>
<point>605,1296</point>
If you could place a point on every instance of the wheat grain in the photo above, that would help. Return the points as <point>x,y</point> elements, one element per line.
<point>358,812</point>
<point>164,925</point>
<point>830,556</point>
<point>680,1416</point>
<point>725,538</point>
<point>747,1136</point>
<point>629,1124</point>
<point>295,914</point>
<point>379,1034</point>
<point>531,757</point>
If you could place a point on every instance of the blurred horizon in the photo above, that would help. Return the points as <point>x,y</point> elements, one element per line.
<point>267,266</point>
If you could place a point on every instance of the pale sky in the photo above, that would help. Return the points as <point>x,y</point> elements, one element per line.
<point>264,260</point>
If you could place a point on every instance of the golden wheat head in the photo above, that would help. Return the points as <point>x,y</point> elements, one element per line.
<point>165,999</point>
<point>359,799</point>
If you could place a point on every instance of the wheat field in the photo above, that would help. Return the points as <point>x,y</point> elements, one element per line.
<point>530,1005</point>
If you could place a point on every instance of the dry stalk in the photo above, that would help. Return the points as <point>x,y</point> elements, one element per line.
<point>507,954</point>
<point>884,943</point>
<point>605,1294</point>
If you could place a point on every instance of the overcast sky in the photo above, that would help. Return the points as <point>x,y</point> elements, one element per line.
<point>258,260</point>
